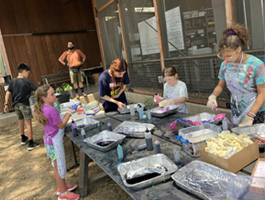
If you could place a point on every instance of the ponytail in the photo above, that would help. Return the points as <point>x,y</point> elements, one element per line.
<point>42,91</point>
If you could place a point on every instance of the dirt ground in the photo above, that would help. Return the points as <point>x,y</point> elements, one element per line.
<point>29,174</point>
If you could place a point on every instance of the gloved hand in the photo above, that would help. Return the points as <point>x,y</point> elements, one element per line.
<point>247,121</point>
<point>212,102</point>
<point>71,111</point>
<point>166,102</point>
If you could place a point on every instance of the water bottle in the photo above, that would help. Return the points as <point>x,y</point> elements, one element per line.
<point>176,156</point>
<point>99,127</point>
<point>132,111</point>
<point>83,134</point>
<point>57,105</point>
<point>157,147</point>
<point>74,129</point>
<point>148,140</point>
<point>120,152</point>
<point>225,124</point>
<point>149,114</point>
<point>141,147</point>
<point>109,126</point>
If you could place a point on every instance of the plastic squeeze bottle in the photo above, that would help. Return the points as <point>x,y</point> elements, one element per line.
<point>83,134</point>
<point>157,146</point>
<point>120,152</point>
<point>176,156</point>
<point>74,129</point>
<point>215,108</point>
<point>57,105</point>
<point>149,114</point>
<point>99,127</point>
<point>157,98</point>
<point>148,140</point>
<point>225,125</point>
<point>109,126</point>
<point>132,111</point>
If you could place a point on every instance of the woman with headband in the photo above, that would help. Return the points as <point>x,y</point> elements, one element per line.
<point>244,76</point>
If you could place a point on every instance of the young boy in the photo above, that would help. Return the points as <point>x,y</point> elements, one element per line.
<point>20,88</point>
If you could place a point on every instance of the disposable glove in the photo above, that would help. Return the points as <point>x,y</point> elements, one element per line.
<point>212,103</point>
<point>166,103</point>
<point>247,121</point>
<point>71,111</point>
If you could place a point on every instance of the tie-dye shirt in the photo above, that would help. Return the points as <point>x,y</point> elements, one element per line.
<point>250,73</point>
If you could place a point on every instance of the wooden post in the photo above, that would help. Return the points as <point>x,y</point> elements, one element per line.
<point>101,47</point>
<point>159,32</point>
<point>122,32</point>
<point>229,12</point>
<point>83,174</point>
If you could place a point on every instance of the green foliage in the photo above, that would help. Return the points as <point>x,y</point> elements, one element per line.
<point>149,102</point>
<point>64,88</point>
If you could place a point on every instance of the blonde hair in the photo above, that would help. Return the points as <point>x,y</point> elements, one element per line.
<point>42,91</point>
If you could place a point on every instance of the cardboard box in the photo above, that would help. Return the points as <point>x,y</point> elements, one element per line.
<point>87,99</point>
<point>235,162</point>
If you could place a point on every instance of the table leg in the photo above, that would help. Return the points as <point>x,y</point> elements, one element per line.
<point>83,174</point>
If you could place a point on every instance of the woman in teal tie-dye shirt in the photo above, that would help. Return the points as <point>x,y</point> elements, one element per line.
<point>244,75</point>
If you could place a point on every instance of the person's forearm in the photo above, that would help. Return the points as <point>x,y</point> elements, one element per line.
<point>180,100</point>
<point>108,98</point>
<point>258,103</point>
<point>217,90</point>
<point>122,90</point>
<point>64,121</point>
<point>63,63</point>
<point>7,97</point>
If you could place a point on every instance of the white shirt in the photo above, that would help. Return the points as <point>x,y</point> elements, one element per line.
<point>175,92</point>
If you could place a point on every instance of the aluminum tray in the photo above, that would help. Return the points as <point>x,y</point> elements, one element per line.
<point>105,136</point>
<point>127,110</point>
<point>87,123</point>
<point>256,131</point>
<point>133,129</point>
<point>164,111</point>
<point>203,179</point>
<point>150,163</point>
<point>202,117</point>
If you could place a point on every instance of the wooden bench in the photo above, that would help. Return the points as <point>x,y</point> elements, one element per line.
<point>60,77</point>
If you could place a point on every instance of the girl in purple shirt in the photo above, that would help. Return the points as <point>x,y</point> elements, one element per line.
<point>46,114</point>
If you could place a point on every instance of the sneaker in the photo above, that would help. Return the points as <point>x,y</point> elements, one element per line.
<point>84,94</point>
<point>68,196</point>
<point>68,187</point>
<point>24,140</point>
<point>32,145</point>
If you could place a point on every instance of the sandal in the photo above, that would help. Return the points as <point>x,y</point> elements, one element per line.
<point>84,94</point>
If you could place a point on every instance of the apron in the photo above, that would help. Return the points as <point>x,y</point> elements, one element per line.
<point>57,143</point>
<point>242,100</point>
<point>182,107</point>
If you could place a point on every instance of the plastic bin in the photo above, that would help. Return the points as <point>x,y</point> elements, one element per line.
<point>194,138</point>
<point>246,187</point>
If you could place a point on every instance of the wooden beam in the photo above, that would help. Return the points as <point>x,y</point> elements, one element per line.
<point>122,32</point>
<point>101,47</point>
<point>159,32</point>
<point>105,6</point>
<point>229,12</point>
<point>83,173</point>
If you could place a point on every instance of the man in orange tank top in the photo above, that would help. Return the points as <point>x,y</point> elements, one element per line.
<point>74,58</point>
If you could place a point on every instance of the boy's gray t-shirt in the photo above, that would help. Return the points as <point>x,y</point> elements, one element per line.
<point>21,89</point>
<point>175,92</point>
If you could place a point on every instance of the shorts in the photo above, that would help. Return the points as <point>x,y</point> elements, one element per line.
<point>76,77</point>
<point>50,152</point>
<point>23,111</point>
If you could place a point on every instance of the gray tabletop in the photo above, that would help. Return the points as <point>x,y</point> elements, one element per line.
<point>108,161</point>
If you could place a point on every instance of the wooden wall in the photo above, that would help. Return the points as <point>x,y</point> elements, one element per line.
<point>37,31</point>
